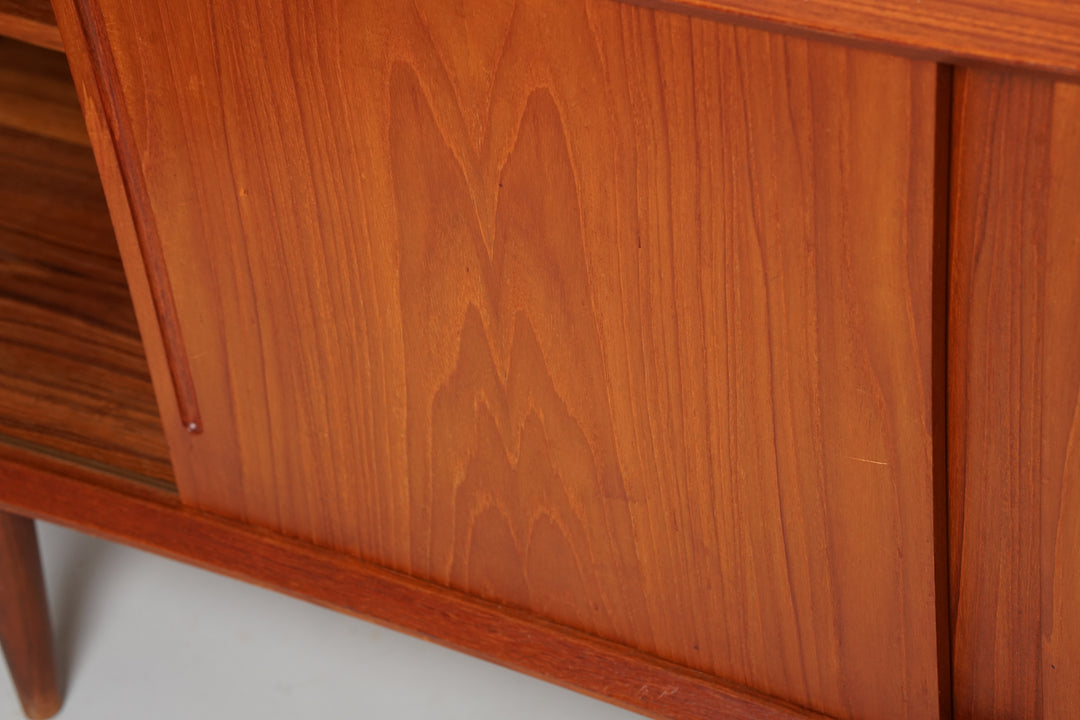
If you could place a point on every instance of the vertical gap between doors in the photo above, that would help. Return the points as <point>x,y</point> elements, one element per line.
<point>943,143</point>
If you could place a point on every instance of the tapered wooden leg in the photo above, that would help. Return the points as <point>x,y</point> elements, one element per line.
<point>24,618</point>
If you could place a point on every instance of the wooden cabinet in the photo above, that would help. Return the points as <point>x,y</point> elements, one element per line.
<point>694,356</point>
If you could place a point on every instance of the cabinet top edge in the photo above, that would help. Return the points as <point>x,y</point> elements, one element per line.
<point>1036,35</point>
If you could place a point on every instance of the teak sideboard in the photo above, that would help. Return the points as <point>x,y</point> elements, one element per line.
<point>718,358</point>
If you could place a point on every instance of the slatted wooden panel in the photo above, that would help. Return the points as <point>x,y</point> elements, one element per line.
<point>1015,398</point>
<point>613,315</point>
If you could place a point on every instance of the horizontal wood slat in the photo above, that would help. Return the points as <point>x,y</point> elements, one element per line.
<point>1039,35</point>
<point>1030,33</point>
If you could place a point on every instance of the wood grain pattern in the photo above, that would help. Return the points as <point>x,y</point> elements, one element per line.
<point>1037,34</point>
<point>73,378</point>
<point>616,316</point>
<point>37,95</point>
<point>30,21</point>
<point>155,521</point>
<point>1015,398</point>
<point>25,633</point>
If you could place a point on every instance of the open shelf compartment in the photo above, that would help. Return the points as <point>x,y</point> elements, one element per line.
<point>31,21</point>
<point>74,381</point>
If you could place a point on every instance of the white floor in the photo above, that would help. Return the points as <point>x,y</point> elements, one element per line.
<point>142,637</point>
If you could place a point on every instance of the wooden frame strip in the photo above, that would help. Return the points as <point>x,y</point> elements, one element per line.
<point>1042,35</point>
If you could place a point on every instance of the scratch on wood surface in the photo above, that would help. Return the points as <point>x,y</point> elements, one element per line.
<point>867,460</point>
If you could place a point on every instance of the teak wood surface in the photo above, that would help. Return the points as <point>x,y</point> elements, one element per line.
<point>1015,398</point>
<point>619,329</point>
<point>613,315</point>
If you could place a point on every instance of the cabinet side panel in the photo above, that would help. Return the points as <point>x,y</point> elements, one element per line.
<point>618,316</point>
<point>1015,398</point>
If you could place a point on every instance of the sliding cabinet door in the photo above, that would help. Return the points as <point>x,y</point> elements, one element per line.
<point>1014,369</point>
<point>617,316</point>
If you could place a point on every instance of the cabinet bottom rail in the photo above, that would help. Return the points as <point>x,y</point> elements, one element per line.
<point>154,520</point>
